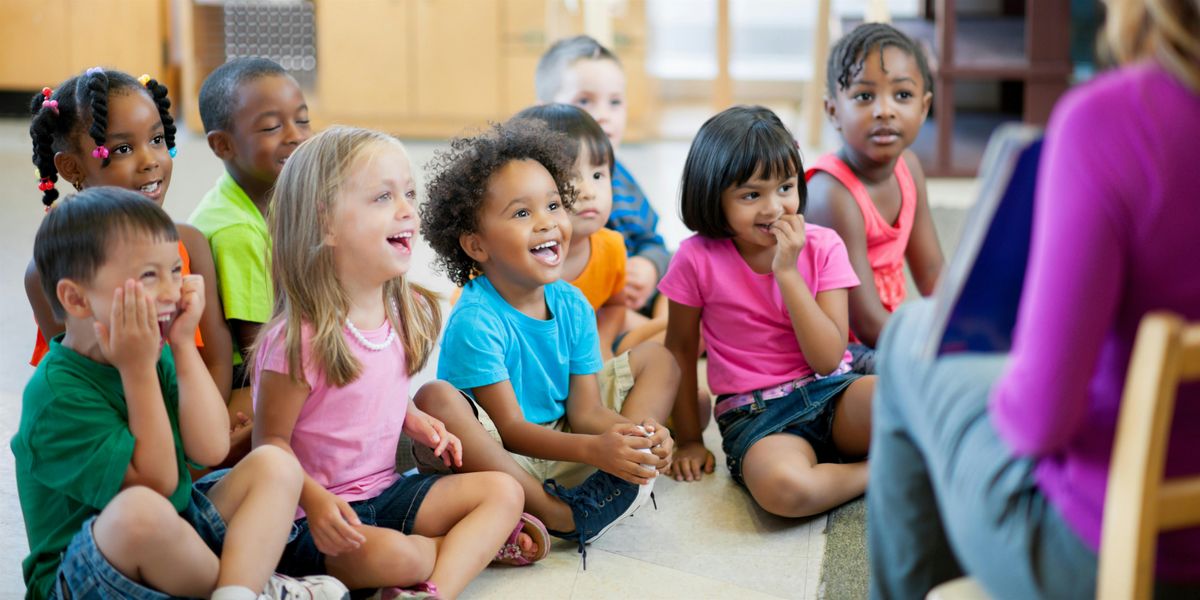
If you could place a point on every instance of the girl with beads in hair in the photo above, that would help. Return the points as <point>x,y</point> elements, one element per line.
<point>330,376</point>
<point>105,128</point>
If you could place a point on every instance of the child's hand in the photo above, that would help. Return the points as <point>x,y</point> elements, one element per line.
<point>692,461</point>
<point>332,523</point>
<point>640,277</point>
<point>132,339</point>
<point>789,235</point>
<point>191,306</point>
<point>428,431</point>
<point>618,453</point>
<point>663,446</point>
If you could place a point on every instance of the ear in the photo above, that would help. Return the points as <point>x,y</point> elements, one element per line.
<point>70,168</point>
<point>221,143</point>
<point>472,244</point>
<point>831,112</point>
<point>71,296</point>
<point>926,102</point>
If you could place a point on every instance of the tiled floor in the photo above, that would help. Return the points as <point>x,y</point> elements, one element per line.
<point>706,539</point>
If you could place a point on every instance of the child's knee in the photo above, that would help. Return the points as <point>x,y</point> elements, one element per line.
<point>785,494</point>
<point>137,517</point>
<point>503,488</point>
<point>437,397</point>
<point>273,464</point>
<point>402,558</point>
<point>647,355</point>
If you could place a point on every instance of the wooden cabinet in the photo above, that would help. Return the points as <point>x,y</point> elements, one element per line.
<point>370,56</point>
<point>47,41</point>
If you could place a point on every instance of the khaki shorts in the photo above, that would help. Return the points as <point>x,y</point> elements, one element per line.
<point>616,379</point>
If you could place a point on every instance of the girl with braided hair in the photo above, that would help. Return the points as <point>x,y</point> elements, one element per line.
<point>106,128</point>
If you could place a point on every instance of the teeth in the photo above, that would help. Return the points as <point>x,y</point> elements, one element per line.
<point>545,245</point>
<point>401,236</point>
<point>164,318</point>
<point>149,187</point>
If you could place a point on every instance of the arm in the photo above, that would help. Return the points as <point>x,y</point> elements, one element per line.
<point>245,332</point>
<point>218,345</point>
<point>924,253</point>
<point>820,322</point>
<point>203,419</point>
<point>831,204</point>
<point>612,451</point>
<point>610,320</point>
<point>692,460</point>
<point>331,519</point>
<point>42,313</point>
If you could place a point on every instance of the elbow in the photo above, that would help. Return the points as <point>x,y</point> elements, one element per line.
<point>213,454</point>
<point>162,483</point>
<point>826,365</point>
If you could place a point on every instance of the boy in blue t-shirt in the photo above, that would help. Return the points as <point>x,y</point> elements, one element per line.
<point>523,344</point>
<point>112,418</point>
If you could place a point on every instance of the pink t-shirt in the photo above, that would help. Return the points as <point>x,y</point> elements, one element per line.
<point>744,320</point>
<point>345,438</point>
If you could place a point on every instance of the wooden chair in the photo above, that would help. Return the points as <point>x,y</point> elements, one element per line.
<point>1140,503</point>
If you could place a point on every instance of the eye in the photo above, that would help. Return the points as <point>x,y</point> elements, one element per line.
<point>906,95</point>
<point>521,213</point>
<point>863,96</point>
<point>302,122</point>
<point>581,102</point>
<point>616,102</point>
<point>148,274</point>
<point>158,140</point>
<point>598,175</point>
<point>269,129</point>
<point>384,197</point>
<point>177,272</point>
<point>750,196</point>
<point>411,194</point>
<point>123,149</point>
<point>787,187</point>
<point>553,206</point>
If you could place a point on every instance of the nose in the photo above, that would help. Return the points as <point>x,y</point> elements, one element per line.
<point>884,108</point>
<point>545,221</point>
<point>404,209</point>
<point>293,133</point>
<point>585,189</point>
<point>149,157</point>
<point>774,206</point>
<point>167,292</point>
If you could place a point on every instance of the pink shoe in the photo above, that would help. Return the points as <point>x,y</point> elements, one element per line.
<point>425,590</point>
<point>510,552</point>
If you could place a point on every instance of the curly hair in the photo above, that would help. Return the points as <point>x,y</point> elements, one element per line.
<point>847,56</point>
<point>459,178</point>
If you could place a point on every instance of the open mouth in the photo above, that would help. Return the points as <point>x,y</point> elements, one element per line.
<point>152,189</point>
<point>164,325</point>
<point>401,241</point>
<point>548,253</point>
<point>764,228</point>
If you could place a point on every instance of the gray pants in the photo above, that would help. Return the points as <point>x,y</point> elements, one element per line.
<point>946,495</point>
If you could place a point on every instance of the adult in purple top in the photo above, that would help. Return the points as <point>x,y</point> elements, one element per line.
<point>996,465</point>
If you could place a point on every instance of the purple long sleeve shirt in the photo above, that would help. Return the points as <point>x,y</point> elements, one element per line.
<point>1116,234</point>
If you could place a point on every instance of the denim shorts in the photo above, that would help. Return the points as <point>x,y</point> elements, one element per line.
<point>86,575</point>
<point>807,412</point>
<point>395,508</point>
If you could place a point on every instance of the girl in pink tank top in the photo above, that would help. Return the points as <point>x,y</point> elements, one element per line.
<point>872,191</point>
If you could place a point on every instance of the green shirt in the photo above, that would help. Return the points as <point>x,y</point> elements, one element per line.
<point>241,249</point>
<point>72,449</point>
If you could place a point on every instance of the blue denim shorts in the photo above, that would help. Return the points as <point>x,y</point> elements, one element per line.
<point>85,574</point>
<point>396,508</point>
<point>807,412</point>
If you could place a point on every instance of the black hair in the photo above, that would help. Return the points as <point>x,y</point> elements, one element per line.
<point>847,56</point>
<point>459,180</point>
<point>548,78</point>
<point>729,150</point>
<point>218,93</point>
<point>576,124</point>
<point>82,101</point>
<point>75,238</point>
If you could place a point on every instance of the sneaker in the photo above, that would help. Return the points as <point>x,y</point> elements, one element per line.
<point>597,504</point>
<point>314,587</point>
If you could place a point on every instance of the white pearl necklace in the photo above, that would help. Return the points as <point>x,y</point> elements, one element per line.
<point>368,344</point>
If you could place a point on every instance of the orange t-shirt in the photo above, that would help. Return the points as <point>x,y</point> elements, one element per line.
<point>604,275</point>
<point>41,346</point>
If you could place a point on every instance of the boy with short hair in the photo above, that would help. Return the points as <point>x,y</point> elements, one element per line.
<point>582,72</point>
<point>255,116</point>
<point>111,420</point>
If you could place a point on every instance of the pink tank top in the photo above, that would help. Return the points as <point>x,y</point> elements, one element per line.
<point>886,242</point>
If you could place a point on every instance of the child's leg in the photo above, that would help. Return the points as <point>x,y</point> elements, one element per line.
<point>475,512</point>
<point>140,534</point>
<point>782,473</point>
<point>483,453</point>
<point>852,418</point>
<point>655,383</point>
<point>387,559</point>
<point>257,499</point>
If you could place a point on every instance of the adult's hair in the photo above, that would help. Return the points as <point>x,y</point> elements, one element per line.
<point>1166,30</point>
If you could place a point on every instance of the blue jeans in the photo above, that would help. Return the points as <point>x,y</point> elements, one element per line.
<point>946,495</point>
<point>86,575</point>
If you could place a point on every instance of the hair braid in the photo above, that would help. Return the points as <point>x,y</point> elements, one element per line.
<point>41,129</point>
<point>96,88</point>
<point>158,93</point>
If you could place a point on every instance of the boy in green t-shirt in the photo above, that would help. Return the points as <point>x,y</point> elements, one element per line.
<point>255,116</point>
<point>112,418</point>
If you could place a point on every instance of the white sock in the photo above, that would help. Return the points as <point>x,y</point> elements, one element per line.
<point>234,592</point>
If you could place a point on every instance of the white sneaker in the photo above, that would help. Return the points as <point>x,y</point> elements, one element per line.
<point>313,587</point>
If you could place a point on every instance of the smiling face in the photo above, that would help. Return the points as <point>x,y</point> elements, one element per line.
<point>751,208</point>
<point>268,123</point>
<point>155,263</point>
<point>139,159</point>
<point>598,87</point>
<point>374,222</point>
<point>523,227</point>
<point>881,112</point>
<point>593,202</point>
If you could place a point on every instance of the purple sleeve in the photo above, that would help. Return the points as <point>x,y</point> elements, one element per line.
<point>681,283</point>
<point>1073,284</point>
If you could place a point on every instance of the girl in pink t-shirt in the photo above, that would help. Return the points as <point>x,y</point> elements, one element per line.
<point>330,380</point>
<point>768,295</point>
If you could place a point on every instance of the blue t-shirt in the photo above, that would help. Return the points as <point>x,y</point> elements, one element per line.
<point>488,341</point>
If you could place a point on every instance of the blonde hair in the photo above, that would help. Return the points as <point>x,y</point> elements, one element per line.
<point>1163,29</point>
<point>307,290</point>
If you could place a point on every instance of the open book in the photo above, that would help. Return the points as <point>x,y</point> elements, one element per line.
<point>977,296</point>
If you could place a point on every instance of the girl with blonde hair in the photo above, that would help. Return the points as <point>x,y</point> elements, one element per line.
<point>331,374</point>
<point>996,465</point>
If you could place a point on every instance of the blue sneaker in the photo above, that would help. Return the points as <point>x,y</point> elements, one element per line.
<point>597,504</point>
